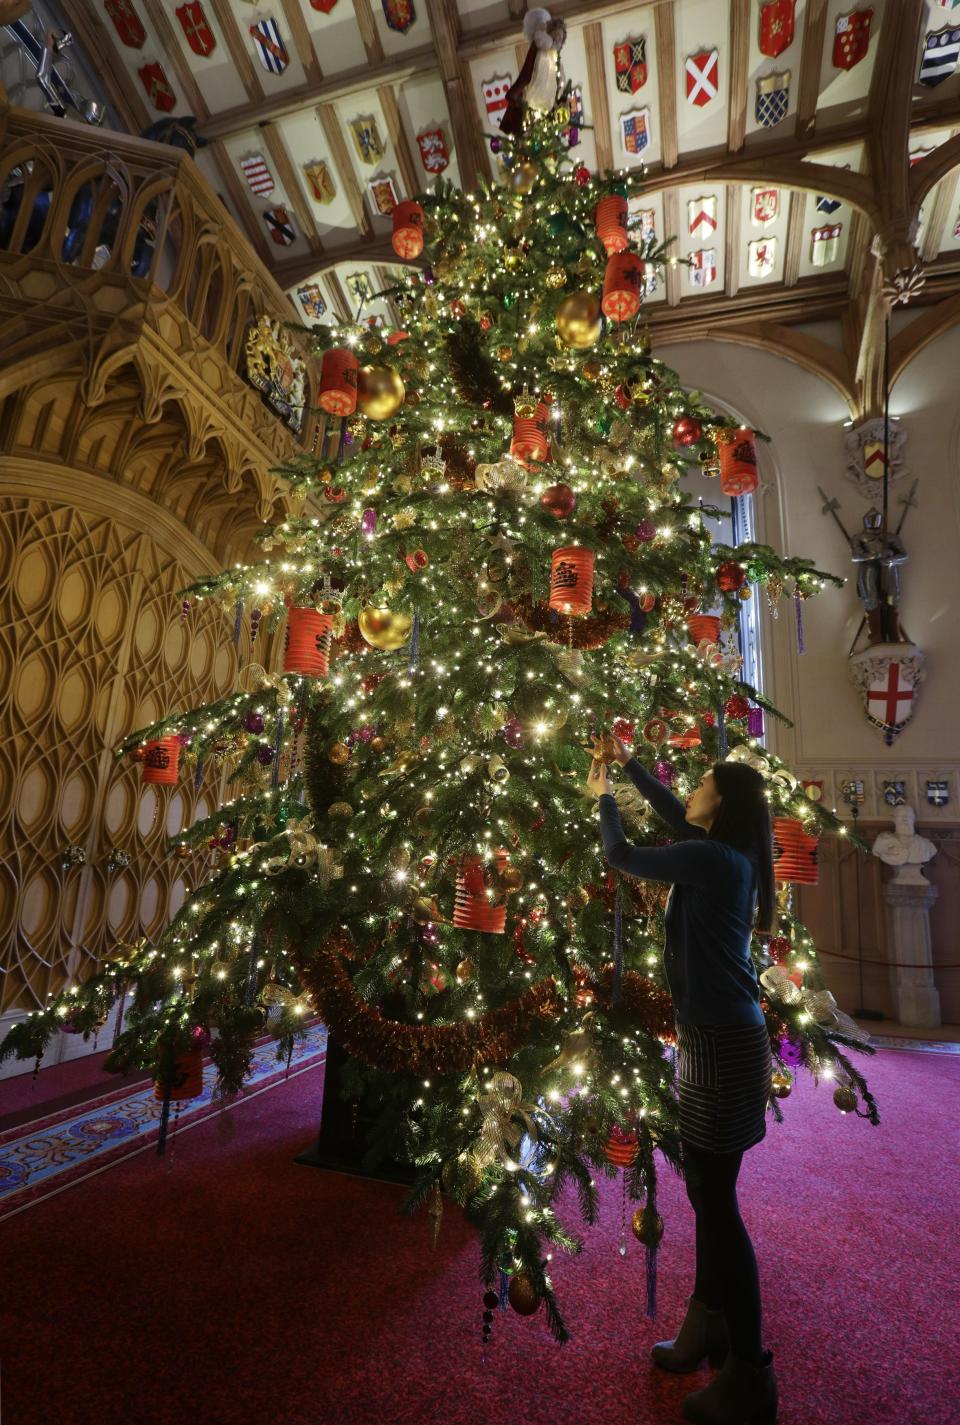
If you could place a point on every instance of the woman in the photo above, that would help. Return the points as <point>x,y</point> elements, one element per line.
<point>721,870</point>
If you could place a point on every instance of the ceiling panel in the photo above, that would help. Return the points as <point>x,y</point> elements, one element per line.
<point>762,66</point>
<point>423,107</point>
<point>843,92</point>
<point>632,25</point>
<point>706,202</point>
<point>702,26</point>
<point>250,146</point>
<point>305,141</point>
<point>771,204</point>
<point>336,38</point>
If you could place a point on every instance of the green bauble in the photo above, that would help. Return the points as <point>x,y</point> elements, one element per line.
<point>602,424</point>
<point>282,815</point>
<point>509,298</point>
<point>756,572</point>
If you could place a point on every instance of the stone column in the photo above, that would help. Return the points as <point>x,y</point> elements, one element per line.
<point>915,996</point>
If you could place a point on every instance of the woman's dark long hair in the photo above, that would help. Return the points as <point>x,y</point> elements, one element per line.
<point>743,822</point>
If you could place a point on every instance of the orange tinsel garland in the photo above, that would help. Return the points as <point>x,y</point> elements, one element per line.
<point>591,631</point>
<point>640,999</point>
<point>418,1048</point>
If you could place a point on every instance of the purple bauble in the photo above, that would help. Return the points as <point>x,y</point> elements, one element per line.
<point>664,773</point>
<point>264,754</point>
<point>348,437</point>
<point>495,145</point>
<point>646,530</point>
<point>366,734</point>
<point>755,722</point>
<point>791,1052</point>
<point>430,934</point>
<point>428,277</point>
<point>368,523</point>
<point>513,732</point>
<point>253,722</point>
<point>199,1037</point>
<point>573,135</point>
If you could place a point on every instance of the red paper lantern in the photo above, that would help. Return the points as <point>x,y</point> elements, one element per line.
<point>738,463</point>
<point>794,851</point>
<point>703,626</point>
<point>622,286</point>
<point>621,1147</point>
<point>338,382</point>
<point>187,1077</point>
<point>687,430</point>
<point>306,642</point>
<point>730,576</point>
<point>611,223</point>
<point>473,910</point>
<point>571,580</point>
<point>407,239</point>
<point>559,500</point>
<point>530,435</point>
<point>161,761</point>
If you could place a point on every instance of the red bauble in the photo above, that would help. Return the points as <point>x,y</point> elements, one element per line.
<point>778,947</point>
<point>624,730</point>
<point>622,396</point>
<point>730,576</point>
<point>581,175</point>
<point>559,500</point>
<point>647,603</point>
<point>522,1295</point>
<point>686,430</point>
<point>737,706</point>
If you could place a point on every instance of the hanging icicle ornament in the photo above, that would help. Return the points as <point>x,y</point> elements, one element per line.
<point>798,598</point>
<point>414,660</point>
<point>237,622</point>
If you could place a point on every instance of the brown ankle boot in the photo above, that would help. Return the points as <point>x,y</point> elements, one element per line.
<point>741,1394</point>
<point>703,1333</point>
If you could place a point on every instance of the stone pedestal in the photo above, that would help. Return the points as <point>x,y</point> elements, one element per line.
<point>915,996</point>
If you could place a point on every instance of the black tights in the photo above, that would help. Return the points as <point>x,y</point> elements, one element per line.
<point>727,1276</point>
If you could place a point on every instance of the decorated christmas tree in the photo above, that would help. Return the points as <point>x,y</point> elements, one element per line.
<point>499,565</point>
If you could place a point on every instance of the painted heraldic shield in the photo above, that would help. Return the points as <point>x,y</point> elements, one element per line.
<point>495,92</point>
<point>824,243</point>
<point>271,51</point>
<point>157,86</point>
<point>776,27</point>
<point>773,99</point>
<point>702,217</point>
<point>279,226</point>
<point>635,130</point>
<point>322,186</point>
<point>761,256</point>
<point>940,51</point>
<point>433,150</point>
<point>257,174</point>
<point>703,267</point>
<point>630,65</point>
<point>703,77</point>
<point>851,38</point>
<point>311,300</point>
<point>126,22</point>
<point>766,206</point>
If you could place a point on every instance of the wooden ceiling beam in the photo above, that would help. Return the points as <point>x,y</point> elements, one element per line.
<point>239,53</point>
<point>671,224</point>
<point>794,242</point>
<point>302,40</point>
<point>338,296</point>
<point>942,200</point>
<point>409,174</point>
<point>468,135</point>
<point>298,269</point>
<point>930,170</point>
<point>351,81</point>
<point>664,25</point>
<point>330,123</point>
<point>368,31</point>
<point>289,177</point>
<point>90,30</point>
<point>739,67</point>
<point>600,104</point>
<point>808,86</point>
<point>731,256</point>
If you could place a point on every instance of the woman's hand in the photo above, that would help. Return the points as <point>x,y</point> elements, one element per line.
<point>610,749</point>
<point>598,782</point>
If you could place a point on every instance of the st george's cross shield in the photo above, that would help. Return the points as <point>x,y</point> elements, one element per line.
<point>773,99</point>
<point>279,226</point>
<point>258,175</point>
<point>635,130</point>
<point>399,14</point>
<point>824,243</point>
<point>630,65</point>
<point>888,679</point>
<point>196,27</point>
<point>851,38</point>
<point>158,87</point>
<point>776,27</point>
<point>766,206</point>
<point>939,58</point>
<point>126,22</point>
<point>433,150</point>
<point>267,41</point>
<point>703,267</point>
<point>702,217</point>
<point>311,300</point>
<point>703,76</point>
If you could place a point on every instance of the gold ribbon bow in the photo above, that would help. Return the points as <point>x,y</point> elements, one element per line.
<point>819,1004</point>
<point>307,851</point>
<point>259,680</point>
<point>501,1133</point>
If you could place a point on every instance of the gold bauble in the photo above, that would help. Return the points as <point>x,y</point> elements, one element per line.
<point>745,593</point>
<point>461,1177</point>
<point>377,744</point>
<point>512,258</point>
<point>845,1098</point>
<point>578,320</point>
<point>382,628</point>
<point>590,370</point>
<point>647,1226</point>
<point>465,970</point>
<point>380,392</point>
<point>373,345</point>
<point>339,754</point>
<point>524,176</point>
<point>556,277</point>
<point>504,353</point>
<point>782,1083</point>
<point>425,911</point>
<point>511,878</point>
<point>340,809</point>
<point>522,1295</point>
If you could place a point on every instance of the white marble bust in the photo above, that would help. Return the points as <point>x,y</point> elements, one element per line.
<point>904,850</point>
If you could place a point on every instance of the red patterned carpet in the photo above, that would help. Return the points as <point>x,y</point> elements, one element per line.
<point>240,1287</point>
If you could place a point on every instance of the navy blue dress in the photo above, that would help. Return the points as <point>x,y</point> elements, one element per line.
<point>724,1065</point>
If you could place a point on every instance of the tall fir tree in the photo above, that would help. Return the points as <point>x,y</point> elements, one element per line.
<point>499,565</point>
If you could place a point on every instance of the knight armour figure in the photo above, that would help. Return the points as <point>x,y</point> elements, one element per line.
<point>878,559</point>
